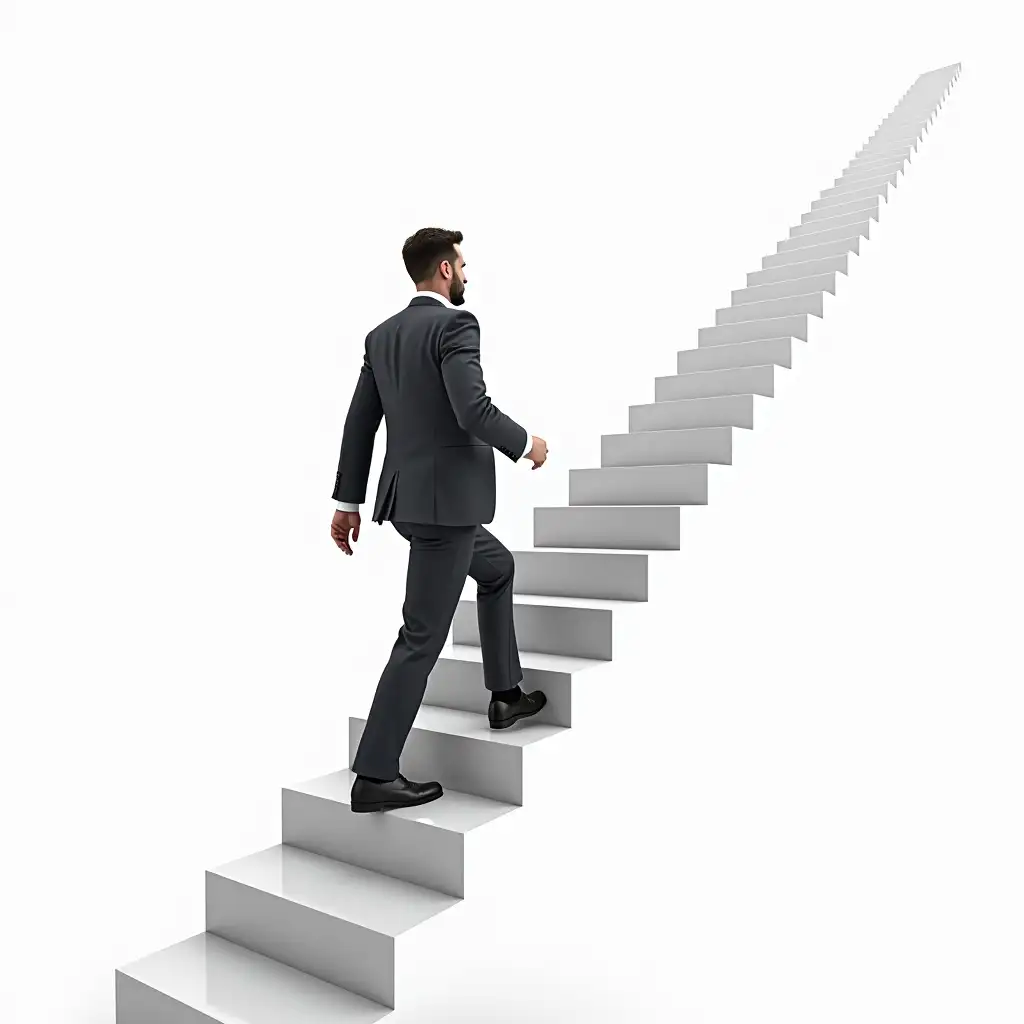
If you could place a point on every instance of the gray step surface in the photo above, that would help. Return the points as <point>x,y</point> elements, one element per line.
<point>842,198</point>
<point>335,921</point>
<point>639,485</point>
<point>793,326</point>
<point>740,353</point>
<point>620,528</point>
<point>830,223</point>
<point>461,751</point>
<point>720,411</point>
<point>206,978</point>
<point>869,206</point>
<point>811,303</point>
<point>869,160</point>
<point>606,575</point>
<point>425,850</point>
<point>548,625</point>
<point>837,264</point>
<point>812,252</point>
<point>795,286</point>
<point>894,166</point>
<point>743,380</point>
<point>457,679</point>
<point>707,445</point>
<point>851,187</point>
<point>826,234</point>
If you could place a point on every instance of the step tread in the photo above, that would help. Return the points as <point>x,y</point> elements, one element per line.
<point>534,659</point>
<point>555,601</point>
<point>470,725</point>
<point>234,985</point>
<point>674,430</point>
<point>366,898</point>
<point>726,369</point>
<point>454,812</point>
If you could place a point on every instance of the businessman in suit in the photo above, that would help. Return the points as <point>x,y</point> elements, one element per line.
<point>421,371</point>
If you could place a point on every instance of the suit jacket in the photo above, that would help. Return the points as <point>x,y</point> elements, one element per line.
<point>421,372</point>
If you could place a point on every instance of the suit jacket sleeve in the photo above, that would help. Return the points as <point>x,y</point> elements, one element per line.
<point>464,382</point>
<point>364,415</point>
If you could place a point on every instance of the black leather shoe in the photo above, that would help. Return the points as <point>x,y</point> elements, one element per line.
<point>501,714</point>
<point>390,796</point>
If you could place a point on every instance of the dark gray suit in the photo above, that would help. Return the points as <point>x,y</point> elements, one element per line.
<point>421,371</point>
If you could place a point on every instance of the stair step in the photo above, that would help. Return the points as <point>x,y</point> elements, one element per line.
<point>462,751</point>
<point>869,206</point>
<point>842,198</point>
<point>607,575</point>
<point>867,162</point>
<point>781,289</point>
<point>887,148</point>
<point>719,411</point>
<point>683,446</point>
<point>457,679</point>
<point>847,188</point>
<point>206,978</point>
<point>887,166</point>
<point>425,848</point>
<point>333,920</point>
<point>549,625</point>
<point>811,303</point>
<point>793,326</point>
<point>828,223</point>
<point>615,527</point>
<point>812,252</point>
<point>837,234</point>
<point>742,380</point>
<point>639,485</point>
<point>822,265</point>
<point>727,357</point>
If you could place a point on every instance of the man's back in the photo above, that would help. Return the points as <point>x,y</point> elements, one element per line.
<point>422,373</point>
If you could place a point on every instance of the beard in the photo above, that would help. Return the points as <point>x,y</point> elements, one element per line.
<point>458,293</point>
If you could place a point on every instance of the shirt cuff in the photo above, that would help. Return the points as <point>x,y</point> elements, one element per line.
<point>348,506</point>
<point>529,444</point>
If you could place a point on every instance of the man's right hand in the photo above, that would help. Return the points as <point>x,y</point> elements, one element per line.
<point>538,453</point>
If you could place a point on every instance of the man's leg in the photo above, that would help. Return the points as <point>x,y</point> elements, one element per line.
<point>493,568</point>
<point>439,559</point>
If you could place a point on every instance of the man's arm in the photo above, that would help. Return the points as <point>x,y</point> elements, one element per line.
<point>464,382</point>
<point>364,415</point>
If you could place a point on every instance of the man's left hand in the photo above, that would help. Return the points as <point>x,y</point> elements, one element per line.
<point>341,525</point>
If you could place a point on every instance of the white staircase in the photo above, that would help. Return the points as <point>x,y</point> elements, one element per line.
<point>314,930</point>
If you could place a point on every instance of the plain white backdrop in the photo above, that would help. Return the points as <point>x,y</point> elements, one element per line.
<point>202,208</point>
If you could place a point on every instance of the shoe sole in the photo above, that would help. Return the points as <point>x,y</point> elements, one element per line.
<point>509,722</point>
<point>394,805</point>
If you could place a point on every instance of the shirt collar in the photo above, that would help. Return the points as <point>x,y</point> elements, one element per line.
<point>433,295</point>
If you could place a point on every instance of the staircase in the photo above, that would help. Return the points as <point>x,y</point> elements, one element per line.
<point>308,931</point>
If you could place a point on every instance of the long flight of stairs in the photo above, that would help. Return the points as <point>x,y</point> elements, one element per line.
<point>307,932</point>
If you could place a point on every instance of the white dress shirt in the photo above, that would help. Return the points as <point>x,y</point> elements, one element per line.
<point>351,506</point>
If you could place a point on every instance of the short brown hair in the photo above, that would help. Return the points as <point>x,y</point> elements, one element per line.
<point>424,250</point>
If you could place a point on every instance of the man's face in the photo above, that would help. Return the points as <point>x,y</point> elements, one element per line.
<point>458,281</point>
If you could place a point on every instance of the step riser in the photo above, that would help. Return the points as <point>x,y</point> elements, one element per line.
<point>830,202</point>
<point>746,380</point>
<point>838,234</point>
<point>454,683</point>
<point>728,357</point>
<point>868,207</point>
<point>775,275</point>
<point>798,286</point>
<point>401,847</point>
<point>784,259</point>
<point>895,139</point>
<point>812,304</point>
<point>831,223</point>
<point>704,445</point>
<point>329,948</point>
<point>878,164</point>
<point>609,577</point>
<point>888,148</point>
<point>727,411</point>
<point>887,167</point>
<point>136,1003</point>
<point>639,485</point>
<point>493,770</point>
<point>572,632</point>
<point>859,186</point>
<point>755,330</point>
<point>655,528</point>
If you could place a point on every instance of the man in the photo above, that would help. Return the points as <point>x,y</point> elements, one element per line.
<point>421,371</point>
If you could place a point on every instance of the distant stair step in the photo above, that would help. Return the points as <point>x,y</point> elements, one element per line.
<point>719,411</point>
<point>614,527</point>
<point>781,289</point>
<point>838,264</point>
<point>685,484</point>
<point>811,303</point>
<point>742,380</point>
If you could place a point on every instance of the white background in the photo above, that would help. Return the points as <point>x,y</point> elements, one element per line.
<point>203,207</point>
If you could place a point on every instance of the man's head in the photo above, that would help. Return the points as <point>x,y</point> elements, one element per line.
<point>434,261</point>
